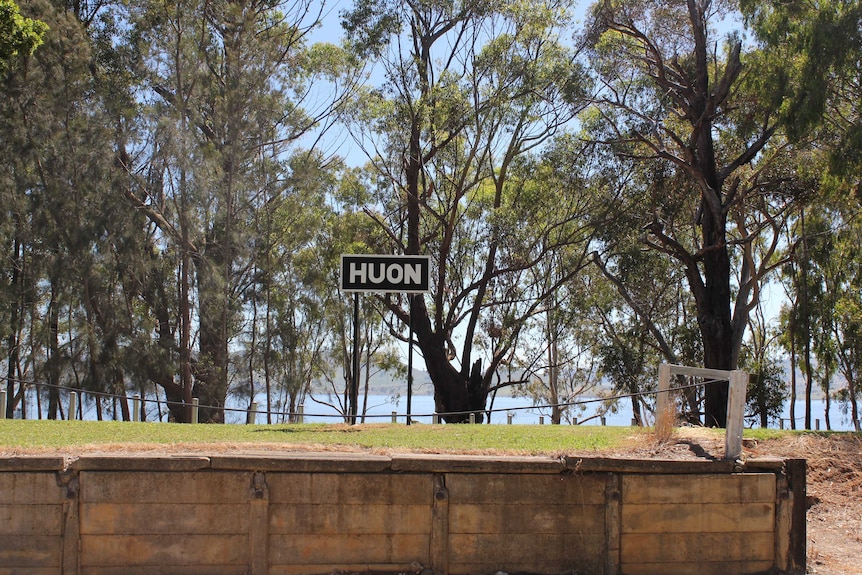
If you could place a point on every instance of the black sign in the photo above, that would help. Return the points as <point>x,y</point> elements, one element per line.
<point>393,274</point>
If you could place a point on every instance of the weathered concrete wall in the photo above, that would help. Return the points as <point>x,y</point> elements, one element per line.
<point>325,513</point>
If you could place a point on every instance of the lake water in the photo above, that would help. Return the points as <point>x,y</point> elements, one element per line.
<point>523,412</point>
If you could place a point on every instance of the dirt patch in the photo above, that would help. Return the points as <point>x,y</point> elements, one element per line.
<point>834,480</point>
<point>834,498</point>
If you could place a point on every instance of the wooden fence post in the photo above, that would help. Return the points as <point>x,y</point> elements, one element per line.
<point>663,408</point>
<point>73,405</point>
<point>735,414</point>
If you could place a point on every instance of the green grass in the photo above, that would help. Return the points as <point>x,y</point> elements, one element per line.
<point>67,436</point>
<point>522,439</point>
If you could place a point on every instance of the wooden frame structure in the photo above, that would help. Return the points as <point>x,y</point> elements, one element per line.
<point>735,401</point>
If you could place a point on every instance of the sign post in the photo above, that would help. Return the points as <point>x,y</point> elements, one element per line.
<point>353,408</point>
<point>383,274</point>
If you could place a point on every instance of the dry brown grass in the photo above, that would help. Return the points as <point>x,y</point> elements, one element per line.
<point>834,497</point>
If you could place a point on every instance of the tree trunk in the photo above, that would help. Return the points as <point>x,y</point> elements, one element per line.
<point>553,365</point>
<point>636,411</point>
<point>211,377</point>
<point>854,407</point>
<point>353,395</point>
<point>119,386</point>
<point>211,368</point>
<point>717,352</point>
<point>792,327</point>
<point>267,342</point>
<point>12,341</point>
<point>806,317</point>
<point>53,363</point>
<point>712,290</point>
<point>712,299</point>
<point>186,381</point>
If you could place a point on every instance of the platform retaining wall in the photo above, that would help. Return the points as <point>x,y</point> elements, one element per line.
<point>346,513</point>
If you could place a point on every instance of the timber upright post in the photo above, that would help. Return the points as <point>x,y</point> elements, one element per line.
<point>735,414</point>
<point>738,387</point>
<point>73,405</point>
<point>663,413</point>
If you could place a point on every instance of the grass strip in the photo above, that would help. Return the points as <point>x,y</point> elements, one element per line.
<point>522,439</point>
<point>69,436</point>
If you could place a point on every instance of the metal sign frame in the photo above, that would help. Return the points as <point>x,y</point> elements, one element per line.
<point>381,279</point>
<point>379,273</point>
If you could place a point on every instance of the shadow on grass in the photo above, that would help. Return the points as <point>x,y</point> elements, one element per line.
<point>310,429</point>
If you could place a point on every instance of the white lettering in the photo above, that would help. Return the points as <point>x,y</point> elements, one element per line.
<point>357,270</point>
<point>394,274</point>
<point>378,277</point>
<point>413,274</point>
<point>388,273</point>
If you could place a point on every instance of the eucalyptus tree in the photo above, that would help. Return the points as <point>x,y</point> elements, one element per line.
<point>469,89</point>
<point>351,231</point>
<point>229,88</point>
<point>824,41</point>
<point>679,95</point>
<point>822,286</point>
<point>292,299</point>
<point>645,318</point>
<point>557,355</point>
<point>761,358</point>
<point>641,303</point>
<point>823,283</point>
<point>563,188</point>
<point>847,318</point>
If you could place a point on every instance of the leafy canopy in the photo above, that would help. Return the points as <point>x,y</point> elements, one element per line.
<point>18,35</point>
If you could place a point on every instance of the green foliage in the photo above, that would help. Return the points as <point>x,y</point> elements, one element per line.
<point>816,48</point>
<point>819,39</point>
<point>19,35</point>
<point>172,211</point>
<point>767,390</point>
<point>370,25</point>
<point>821,320</point>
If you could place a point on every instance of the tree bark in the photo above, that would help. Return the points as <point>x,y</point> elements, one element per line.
<point>12,341</point>
<point>53,364</point>
<point>714,318</point>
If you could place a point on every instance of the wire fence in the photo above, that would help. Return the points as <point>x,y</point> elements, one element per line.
<point>139,403</point>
